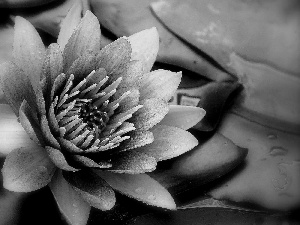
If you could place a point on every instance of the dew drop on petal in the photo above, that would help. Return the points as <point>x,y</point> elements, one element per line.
<point>140,190</point>
<point>152,197</point>
<point>75,209</point>
<point>42,169</point>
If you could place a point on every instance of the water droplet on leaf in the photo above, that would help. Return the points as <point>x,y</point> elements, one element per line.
<point>283,181</point>
<point>277,151</point>
<point>279,184</point>
<point>272,136</point>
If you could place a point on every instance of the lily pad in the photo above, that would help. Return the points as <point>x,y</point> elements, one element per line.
<point>207,215</point>
<point>269,96</point>
<point>271,176</point>
<point>253,29</point>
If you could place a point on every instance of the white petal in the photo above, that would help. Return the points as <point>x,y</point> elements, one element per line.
<point>169,142</point>
<point>141,187</point>
<point>85,39</point>
<point>145,45</point>
<point>69,24</point>
<point>12,134</point>
<point>183,117</point>
<point>27,169</point>
<point>160,84</point>
<point>28,50</point>
<point>74,209</point>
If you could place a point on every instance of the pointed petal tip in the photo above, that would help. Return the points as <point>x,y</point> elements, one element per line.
<point>28,50</point>
<point>145,45</point>
<point>147,33</point>
<point>69,23</point>
<point>200,114</point>
<point>84,39</point>
<point>89,16</point>
<point>153,31</point>
<point>88,13</point>
<point>169,142</point>
<point>160,84</point>
<point>179,74</point>
<point>159,6</point>
<point>19,19</point>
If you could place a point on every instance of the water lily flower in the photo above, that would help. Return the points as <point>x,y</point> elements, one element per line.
<point>99,119</point>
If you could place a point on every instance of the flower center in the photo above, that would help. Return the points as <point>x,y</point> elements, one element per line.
<point>92,116</point>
